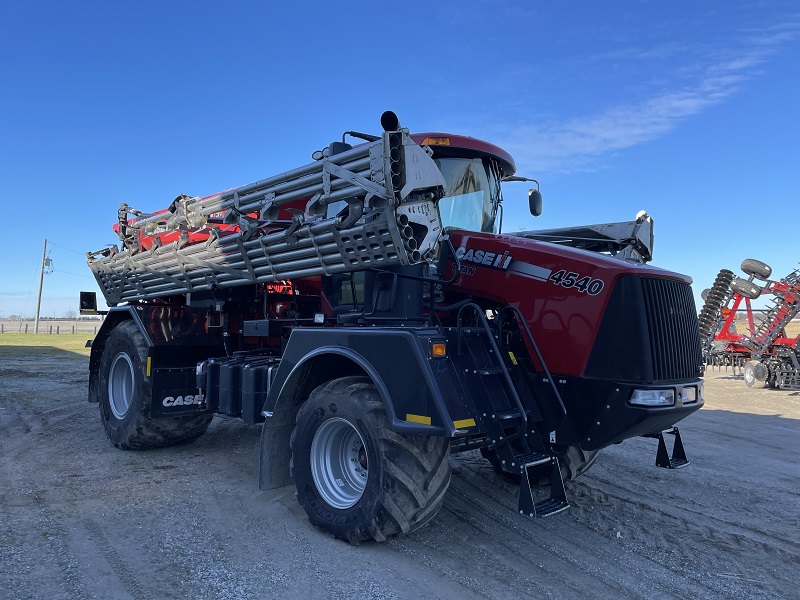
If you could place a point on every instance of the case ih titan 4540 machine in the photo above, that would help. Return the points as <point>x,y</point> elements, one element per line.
<point>766,354</point>
<point>367,309</point>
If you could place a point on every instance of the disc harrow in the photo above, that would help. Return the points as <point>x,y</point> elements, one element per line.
<point>765,355</point>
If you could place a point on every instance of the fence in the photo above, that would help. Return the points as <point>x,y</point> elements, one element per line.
<point>51,327</point>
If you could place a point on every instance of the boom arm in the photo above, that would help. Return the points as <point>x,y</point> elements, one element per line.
<point>391,186</point>
<point>628,240</point>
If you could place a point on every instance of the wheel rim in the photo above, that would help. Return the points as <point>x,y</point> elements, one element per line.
<point>339,463</point>
<point>120,385</point>
<point>749,375</point>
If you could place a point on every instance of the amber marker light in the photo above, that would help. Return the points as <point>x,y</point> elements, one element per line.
<point>438,350</point>
<point>436,141</point>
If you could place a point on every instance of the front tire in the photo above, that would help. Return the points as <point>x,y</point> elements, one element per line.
<point>573,463</point>
<point>124,397</point>
<point>357,479</point>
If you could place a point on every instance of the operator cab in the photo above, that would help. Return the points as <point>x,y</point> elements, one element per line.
<point>472,194</point>
<point>473,171</point>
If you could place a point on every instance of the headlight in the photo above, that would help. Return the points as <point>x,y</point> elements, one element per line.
<point>653,397</point>
<point>689,395</point>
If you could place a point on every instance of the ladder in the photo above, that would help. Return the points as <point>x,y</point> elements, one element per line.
<point>508,418</point>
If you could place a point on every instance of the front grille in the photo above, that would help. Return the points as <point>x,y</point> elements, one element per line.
<point>673,330</point>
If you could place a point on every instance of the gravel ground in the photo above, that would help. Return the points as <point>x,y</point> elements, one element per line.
<point>81,519</point>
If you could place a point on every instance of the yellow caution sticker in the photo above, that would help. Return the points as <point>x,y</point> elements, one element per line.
<point>464,423</point>
<point>418,419</point>
<point>149,359</point>
<point>513,358</point>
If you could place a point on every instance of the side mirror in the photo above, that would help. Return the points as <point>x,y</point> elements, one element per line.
<point>535,202</point>
<point>88,303</point>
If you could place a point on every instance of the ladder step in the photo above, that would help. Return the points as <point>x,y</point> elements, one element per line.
<point>678,457</point>
<point>531,459</point>
<point>550,506</point>
<point>474,333</point>
<point>490,371</point>
<point>557,498</point>
<point>512,413</point>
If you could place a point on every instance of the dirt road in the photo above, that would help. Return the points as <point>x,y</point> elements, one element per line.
<point>80,519</point>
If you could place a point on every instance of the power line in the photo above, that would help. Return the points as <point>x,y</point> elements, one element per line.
<point>65,248</point>
<point>75,274</point>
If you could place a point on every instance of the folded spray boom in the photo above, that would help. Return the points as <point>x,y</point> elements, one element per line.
<point>390,188</point>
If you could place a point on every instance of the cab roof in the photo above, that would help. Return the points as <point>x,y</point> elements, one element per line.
<point>451,145</point>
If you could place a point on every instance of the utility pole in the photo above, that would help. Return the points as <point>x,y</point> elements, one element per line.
<point>41,282</point>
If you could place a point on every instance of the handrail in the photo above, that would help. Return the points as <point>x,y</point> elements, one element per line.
<point>521,320</point>
<point>485,324</point>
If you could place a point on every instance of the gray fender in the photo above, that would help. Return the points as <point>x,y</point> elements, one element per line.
<point>115,316</point>
<point>316,368</point>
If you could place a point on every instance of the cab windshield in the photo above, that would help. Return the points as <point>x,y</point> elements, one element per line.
<point>472,194</point>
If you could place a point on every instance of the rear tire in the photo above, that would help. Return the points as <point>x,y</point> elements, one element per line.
<point>124,397</point>
<point>357,479</point>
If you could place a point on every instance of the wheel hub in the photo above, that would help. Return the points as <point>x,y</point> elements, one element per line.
<point>120,385</point>
<point>339,465</point>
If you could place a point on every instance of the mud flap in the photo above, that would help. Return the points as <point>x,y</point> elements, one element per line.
<point>663,459</point>
<point>556,502</point>
<point>275,454</point>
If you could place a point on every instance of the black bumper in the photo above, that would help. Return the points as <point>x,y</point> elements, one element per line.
<point>618,419</point>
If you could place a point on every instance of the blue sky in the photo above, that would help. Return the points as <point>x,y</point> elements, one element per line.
<point>686,109</point>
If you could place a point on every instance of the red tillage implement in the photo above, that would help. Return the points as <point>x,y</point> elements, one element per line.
<point>766,353</point>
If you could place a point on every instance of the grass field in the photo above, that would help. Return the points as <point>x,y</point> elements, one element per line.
<point>32,345</point>
<point>793,329</point>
